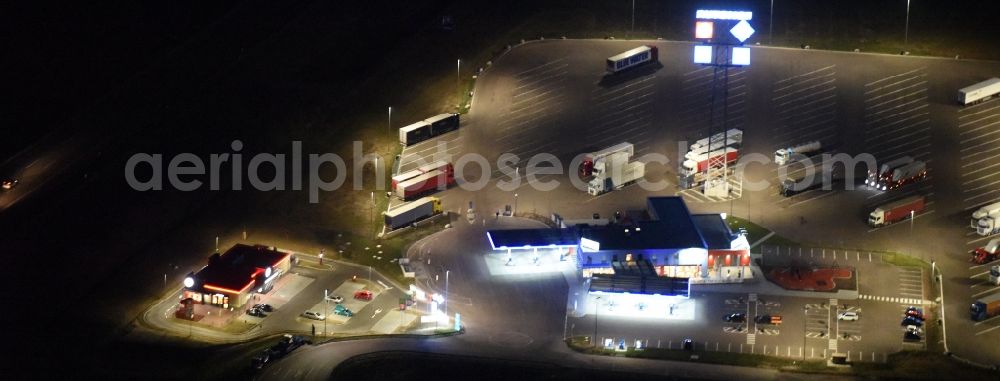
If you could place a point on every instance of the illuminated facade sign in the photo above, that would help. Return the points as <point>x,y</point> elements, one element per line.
<point>741,57</point>
<point>589,246</point>
<point>702,54</point>
<point>703,29</point>
<point>742,31</point>
<point>706,14</point>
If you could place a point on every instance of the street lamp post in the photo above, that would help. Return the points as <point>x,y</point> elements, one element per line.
<point>906,31</point>
<point>805,322</point>
<point>515,203</point>
<point>326,299</point>
<point>912,214</point>
<point>371,213</point>
<point>446,273</point>
<point>389,129</point>
<point>458,76</point>
<point>633,16</point>
<point>597,313</point>
<point>770,25</point>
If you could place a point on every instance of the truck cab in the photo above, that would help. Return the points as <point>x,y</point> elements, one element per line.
<point>876,218</point>
<point>995,275</point>
<point>986,226</point>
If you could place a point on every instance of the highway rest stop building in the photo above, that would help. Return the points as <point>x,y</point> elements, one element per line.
<point>659,251</point>
<point>230,279</point>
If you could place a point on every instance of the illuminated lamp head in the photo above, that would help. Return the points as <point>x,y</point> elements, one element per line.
<point>267,272</point>
<point>189,282</point>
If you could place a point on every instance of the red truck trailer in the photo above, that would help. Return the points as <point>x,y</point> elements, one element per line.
<point>425,183</point>
<point>438,165</point>
<point>896,211</point>
<point>699,163</point>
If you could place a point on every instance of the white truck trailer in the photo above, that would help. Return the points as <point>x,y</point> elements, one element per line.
<point>587,165</point>
<point>631,58</point>
<point>979,92</point>
<point>991,210</point>
<point>614,172</point>
<point>412,212</point>
<point>716,140</point>
<point>415,133</point>
<point>731,142</point>
<point>787,155</point>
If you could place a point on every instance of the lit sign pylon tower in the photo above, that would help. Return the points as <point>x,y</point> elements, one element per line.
<point>721,53</point>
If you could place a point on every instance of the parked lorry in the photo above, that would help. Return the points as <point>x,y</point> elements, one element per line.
<point>731,142</point>
<point>631,58</point>
<point>903,175</point>
<point>586,168</point>
<point>787,155</point>
<point>985,254</point>
<point>443,123</point>
<point>428,128</point>
<point>715,140</point>
<point>886,169</point>
<point>700,163</point>
<point>979,92</point>
<point>415,133</point>
<point>991,210</point>
<point>425,183</point>
<point>801,183</point>
<point>438,165</point>
<point>985,308</point>
<point>614,172</point>
<point>409,213</point>
<point>988,225</point>
<point>896,211</point>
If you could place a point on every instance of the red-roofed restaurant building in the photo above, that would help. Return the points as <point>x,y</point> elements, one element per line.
<point>230,278</point>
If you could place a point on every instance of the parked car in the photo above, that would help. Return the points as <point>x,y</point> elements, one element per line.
<point>735,318</point>
<point>343,311</point>
<point>768,319</point>
<point>910,336</point>
<point>313,315</point>
<point>9,184</point>
<point>915,312</point>
<point>335,298</point>
<point>364,295</point>
<point>254,311</point>
<point>909,320</point>
<point>848,316</point>
<point>264,307</point>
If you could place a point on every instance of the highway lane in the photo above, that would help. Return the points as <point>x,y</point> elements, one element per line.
<point>316,363</point>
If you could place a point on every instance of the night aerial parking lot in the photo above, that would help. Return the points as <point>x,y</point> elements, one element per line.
<point>314,190</point>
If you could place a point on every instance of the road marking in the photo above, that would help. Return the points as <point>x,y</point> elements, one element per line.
<point>987,320</point>
<point>979,145</point>
<point>976,295</point>
<point>981,239</point>
<point>988,330</point>
<point>894,76</point>
<point>898,90</point>
<point>805,74</point>
<point>960,111</point>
